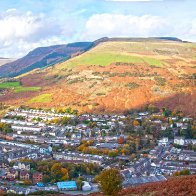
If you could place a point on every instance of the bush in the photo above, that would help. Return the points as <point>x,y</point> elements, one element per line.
<point>132,85</point>
<point>110,182</point>
<point>160,81</point>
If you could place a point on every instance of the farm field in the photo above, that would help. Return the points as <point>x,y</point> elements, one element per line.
<point>105,59</point>
<point>44,98</point>
<point>17,87</point>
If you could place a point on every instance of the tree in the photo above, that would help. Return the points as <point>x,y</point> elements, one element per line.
<point>112,153</point>
<point>166,112</point>
<point>121,140</point>
<point>136,123</point>
<point>79,182</point>
<point>132,157</point>
<point>5,128</point>
<point>46,179</point>
<point>65,174</point>
<point>27,182</point>
<point>110,182</point>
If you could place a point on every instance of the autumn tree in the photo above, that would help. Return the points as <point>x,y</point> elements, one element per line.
<point>121,140</point>
<point>136,123</point>
<point>110,182</point>
<point>5,128</point>
<point>58,172</point>
<point>27,182</point>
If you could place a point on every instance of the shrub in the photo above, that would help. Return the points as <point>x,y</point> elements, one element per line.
<point>132,85</point>
<point>160,81</point>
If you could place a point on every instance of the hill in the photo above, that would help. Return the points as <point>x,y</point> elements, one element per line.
<point>115,76</point>
<point>184,186</point>
<point>43,57</point>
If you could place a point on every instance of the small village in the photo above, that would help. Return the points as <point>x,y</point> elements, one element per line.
<point>63,151</point>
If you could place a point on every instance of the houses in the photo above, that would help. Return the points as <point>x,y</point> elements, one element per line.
<point>37,177</point>
<point>86,186</point>
<point>45,149</point>
<point>12,174</point>
<point>134,148</point>
<point>142,180</point>
<point>126,173</point>
<point>76,136</point>
<point>156,152</point>
<point>18,190</point>
<point>24,175</point>
<point>22,166</point>
<point>163,142</point>
<point>108,145</point>
<point>170,167</point>
<point>26,128</point>
<point>179,141</point>
<point>73,156</point>
<point>14,151</point>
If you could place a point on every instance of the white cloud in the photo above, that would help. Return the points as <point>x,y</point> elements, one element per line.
<point>111,25</point>
<point>119,25</point>
<point>23,32</point>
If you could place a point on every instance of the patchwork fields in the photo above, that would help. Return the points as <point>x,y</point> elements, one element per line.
<point>17,87</point>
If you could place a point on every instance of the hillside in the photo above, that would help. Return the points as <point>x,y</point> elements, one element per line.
<point>115,76</point>
<point>184,186</point>
<point>42,57</point>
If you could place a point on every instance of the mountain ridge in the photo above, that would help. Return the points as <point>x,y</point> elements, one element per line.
<point>50,55</point>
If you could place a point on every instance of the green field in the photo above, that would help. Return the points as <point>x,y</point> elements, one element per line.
<point>16,86</point>
<point>44,98</point>
<point>131,52</point>
<point>9,84</point>
<point>104,59</point>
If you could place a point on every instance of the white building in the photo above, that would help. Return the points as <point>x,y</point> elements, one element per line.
<point>163,142</point>
<point>26,128</point>
<point>86,186</point>
<point>179,141</point>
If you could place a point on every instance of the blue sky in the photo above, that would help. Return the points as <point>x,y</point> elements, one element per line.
<point>27,24</point>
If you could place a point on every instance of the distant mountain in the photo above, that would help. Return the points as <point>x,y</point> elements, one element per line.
<point>43,57</point>
<point>6,60</point>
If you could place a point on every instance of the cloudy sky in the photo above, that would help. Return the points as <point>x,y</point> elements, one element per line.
<point>27,24</point>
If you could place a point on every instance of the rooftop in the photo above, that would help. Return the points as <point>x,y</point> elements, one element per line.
<point>67,185</point>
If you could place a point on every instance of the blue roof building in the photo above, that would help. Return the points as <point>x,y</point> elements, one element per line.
<point>68,185</point>
<point>40,184</point>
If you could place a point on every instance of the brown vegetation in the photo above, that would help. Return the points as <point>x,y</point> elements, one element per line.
<point>178,186</point>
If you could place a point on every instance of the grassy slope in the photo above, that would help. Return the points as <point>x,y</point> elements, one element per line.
<point>110,52</point>
<point>17,87</point>
<point>44,98</point>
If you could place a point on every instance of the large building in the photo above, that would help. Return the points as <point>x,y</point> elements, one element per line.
<point>67,186</point>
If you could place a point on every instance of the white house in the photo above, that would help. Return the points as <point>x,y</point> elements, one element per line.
<point>179,140</point>
<point>163,141</point>
<point>86,186</point>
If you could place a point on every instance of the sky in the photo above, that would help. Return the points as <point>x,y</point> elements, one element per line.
<point>28,24</point>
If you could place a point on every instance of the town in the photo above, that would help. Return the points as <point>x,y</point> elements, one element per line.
<point>59,150</point>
